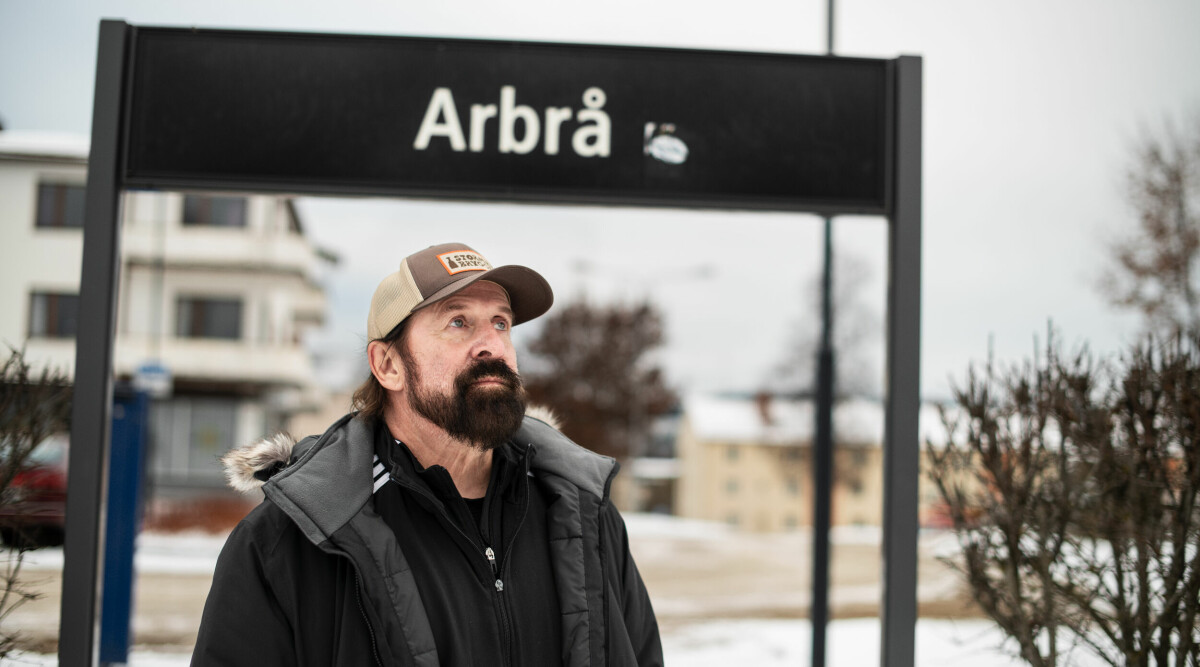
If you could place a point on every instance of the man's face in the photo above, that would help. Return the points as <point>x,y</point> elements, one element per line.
<point>460,366</point>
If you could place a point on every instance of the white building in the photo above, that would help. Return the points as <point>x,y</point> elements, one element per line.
<point>217,288</point>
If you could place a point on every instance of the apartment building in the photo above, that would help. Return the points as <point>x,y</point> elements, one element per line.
<point>747,461</point>
<point>216,291</point>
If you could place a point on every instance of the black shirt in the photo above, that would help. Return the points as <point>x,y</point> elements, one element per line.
<point>485,576</point>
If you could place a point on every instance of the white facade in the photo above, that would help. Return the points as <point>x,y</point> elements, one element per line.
<point>222,300</point>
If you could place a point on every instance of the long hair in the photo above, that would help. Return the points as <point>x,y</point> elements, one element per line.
<point>370,397</point>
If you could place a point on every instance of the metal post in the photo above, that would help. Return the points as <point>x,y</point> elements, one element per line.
<point>823,461</point>
<point>829,16</point>
<point>125,475</point>
<point>901,452</point>
<point>90,423</point>
<point>823,438</point>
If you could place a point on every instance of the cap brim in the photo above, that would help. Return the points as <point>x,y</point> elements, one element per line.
<point>528,292</point>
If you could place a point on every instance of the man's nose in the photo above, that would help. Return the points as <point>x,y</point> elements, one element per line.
<point>489,343</point>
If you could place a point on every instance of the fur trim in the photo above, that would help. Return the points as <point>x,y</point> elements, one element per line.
<point>247,468</point>
<point>545,414</point>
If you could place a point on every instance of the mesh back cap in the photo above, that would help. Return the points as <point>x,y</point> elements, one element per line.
<point>437,272</point>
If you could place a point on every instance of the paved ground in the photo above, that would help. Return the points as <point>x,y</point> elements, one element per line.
<point>692,575</point>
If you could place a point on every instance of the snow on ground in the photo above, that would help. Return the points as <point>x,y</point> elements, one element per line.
<point>769,643</point>
<point>703,642</point>
<point>178,553</point>
<point>196,552</point>
<point>664,525</point>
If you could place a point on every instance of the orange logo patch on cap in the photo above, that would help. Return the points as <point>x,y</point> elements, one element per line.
<point>463,260</point>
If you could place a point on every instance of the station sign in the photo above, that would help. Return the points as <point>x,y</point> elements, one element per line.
<point>506,120</point>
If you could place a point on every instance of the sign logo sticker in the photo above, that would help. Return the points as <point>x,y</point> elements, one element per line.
<point>660,143</point>
<point>463,260</point>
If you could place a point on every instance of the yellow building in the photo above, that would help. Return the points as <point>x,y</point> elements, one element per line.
<point>747,461</point>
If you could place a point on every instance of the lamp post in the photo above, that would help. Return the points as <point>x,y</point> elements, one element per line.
<point>823,430</point>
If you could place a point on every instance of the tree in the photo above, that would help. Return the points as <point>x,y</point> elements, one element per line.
<point>1073,486</point>
<point>856,328</point>
<point>1155,270</point>
<point>33,406</point>
<point>591,367</point>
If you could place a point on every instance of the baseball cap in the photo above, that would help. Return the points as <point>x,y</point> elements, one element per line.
<point>441,270</point>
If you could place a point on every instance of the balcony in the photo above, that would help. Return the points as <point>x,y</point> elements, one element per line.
<point>219,361</point>
<point>224,248</point>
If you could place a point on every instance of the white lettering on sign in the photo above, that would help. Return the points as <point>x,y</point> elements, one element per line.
<point>591,138</point>
<point>441,120</point>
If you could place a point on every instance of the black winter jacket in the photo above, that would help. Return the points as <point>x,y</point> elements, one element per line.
<point>314,576</point>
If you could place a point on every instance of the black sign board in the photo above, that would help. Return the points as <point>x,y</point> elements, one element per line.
<point>507,120</point>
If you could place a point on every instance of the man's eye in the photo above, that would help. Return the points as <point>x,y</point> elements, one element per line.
<point>458,323</point>
<point>501,325</point>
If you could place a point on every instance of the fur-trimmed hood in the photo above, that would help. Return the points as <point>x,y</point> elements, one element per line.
<point>248,468</point>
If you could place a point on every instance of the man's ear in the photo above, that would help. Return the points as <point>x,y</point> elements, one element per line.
<point>386,365</point>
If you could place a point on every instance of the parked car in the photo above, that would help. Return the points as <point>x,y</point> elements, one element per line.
<point>33,508</point>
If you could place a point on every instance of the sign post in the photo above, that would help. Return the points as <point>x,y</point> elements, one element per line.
<point>503,121</point>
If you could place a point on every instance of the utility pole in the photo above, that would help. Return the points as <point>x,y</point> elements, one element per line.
<point>823,432</point>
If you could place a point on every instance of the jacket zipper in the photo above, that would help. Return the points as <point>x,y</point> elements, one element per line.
<point>501,608</point>
<point>362,610</point>
<point>502,603</point>
<point>489,554</point>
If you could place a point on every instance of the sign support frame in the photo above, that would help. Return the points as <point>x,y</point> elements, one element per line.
<point>901,442</point>
<point>90,428</point>
<point>78,637</point>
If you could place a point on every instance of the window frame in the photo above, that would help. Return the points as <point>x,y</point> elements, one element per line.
<point>198,326</point>
<point>54,315</point>
<point>61,217</point>
<point>205,208</point>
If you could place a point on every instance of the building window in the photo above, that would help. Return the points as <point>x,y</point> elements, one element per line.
<point>189,435</point>
<point>60,205</point>
<point>732,453</point>
<point>53,315</point>
<point>209,318</point>
<point>214,211</point>
<point>793,486</point>
<point>731,487</point>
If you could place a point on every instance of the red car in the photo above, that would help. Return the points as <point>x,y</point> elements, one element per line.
<point>34,507</point>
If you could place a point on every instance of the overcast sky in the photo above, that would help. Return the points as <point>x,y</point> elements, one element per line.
<point>1031,110</point>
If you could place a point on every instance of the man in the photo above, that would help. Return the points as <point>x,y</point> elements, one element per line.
<point>437,524</point>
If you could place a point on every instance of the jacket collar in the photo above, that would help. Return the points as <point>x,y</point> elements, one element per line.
<point>323,481</point>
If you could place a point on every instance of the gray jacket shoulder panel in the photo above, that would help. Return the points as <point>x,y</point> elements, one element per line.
<point>559,455</point>
<point>330,480</point>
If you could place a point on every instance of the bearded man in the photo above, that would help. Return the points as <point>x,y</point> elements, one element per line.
<point>437,524</point>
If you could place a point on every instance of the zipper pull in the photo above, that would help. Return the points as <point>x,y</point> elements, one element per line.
<point>491,556</point>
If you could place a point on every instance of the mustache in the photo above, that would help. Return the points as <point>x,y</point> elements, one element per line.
<point>494,368</point>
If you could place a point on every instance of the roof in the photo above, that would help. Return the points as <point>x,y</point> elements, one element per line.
<point>34,143</point>
<point>788,421</point>
<point>646,468</point>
